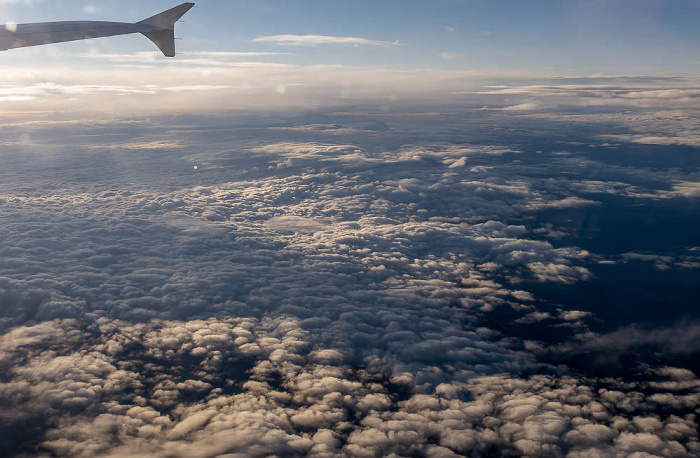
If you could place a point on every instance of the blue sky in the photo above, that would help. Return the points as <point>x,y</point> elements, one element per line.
<point>539,37</point>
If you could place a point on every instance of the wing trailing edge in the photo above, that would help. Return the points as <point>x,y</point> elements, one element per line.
<point>163,34</point>
<point>160,29</point>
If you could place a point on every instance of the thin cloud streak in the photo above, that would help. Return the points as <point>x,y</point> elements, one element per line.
<point>311,40</point>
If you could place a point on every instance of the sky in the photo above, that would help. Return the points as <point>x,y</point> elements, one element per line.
<point>543,37</point>
<point>307,54</point>
<point>364,229</point>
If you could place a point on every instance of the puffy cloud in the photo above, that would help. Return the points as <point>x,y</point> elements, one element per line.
<point>558,272</point>
<point>314,290</point>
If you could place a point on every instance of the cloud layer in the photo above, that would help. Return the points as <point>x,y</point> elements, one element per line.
<point>355,283</point>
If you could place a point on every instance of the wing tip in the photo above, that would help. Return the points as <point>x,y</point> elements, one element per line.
<point>164,23</point>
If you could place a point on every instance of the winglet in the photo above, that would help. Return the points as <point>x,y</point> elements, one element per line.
<point>161,28</point>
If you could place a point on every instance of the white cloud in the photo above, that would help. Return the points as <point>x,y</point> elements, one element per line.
<point>239,84</point>
<point>688,189</point>
<point>525,106</point>
<point>315,287</point>
<point>607,92</point>
<point>689,138</point>
<point>568,202</point>
<point>310,40</point>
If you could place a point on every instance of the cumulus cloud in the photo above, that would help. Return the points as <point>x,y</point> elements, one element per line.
<point>342,283</point>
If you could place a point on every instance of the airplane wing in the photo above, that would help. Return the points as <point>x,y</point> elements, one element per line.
<point>160,29</point>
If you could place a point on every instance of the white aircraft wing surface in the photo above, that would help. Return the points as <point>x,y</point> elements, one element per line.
<point>160,29</point>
